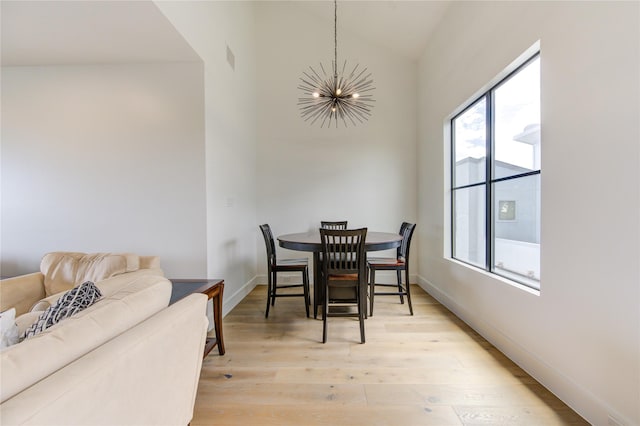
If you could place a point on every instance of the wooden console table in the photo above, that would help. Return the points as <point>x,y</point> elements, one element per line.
<point>214,289</point>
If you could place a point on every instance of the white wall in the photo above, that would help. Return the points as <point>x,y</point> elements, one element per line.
<point>156,159</point>
<point>364,174</point>
<point>580,336</point>
<point>103,158</point>
<point>230,135</point>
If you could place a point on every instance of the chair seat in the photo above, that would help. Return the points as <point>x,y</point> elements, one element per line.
<point>301,262</point>
<point>382,262</point>
<point>292,263</point>
<point>343,277</point>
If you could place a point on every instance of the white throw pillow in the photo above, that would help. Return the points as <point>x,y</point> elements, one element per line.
<point>8,328</point>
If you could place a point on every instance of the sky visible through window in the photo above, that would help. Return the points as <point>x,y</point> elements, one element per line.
<point>517,109</point>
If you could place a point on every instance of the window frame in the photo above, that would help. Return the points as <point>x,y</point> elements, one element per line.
<point>489,181</point>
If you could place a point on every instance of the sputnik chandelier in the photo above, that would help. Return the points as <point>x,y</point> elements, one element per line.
<point>338,96</point>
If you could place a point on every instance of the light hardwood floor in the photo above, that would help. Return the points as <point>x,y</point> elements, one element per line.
<point>426,369</point>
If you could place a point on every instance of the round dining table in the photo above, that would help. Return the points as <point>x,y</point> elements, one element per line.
<point>310,241</point>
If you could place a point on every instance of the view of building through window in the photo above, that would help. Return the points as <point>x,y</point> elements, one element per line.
<point>496,178</point>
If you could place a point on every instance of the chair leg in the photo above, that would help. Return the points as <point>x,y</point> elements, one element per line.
<point>274,288</point>
<point>408,292</point>
<point>400,290</point>
<point>372,289</point>
<point>266,315</point>
<point>361,318</point>
<point>363,291</point>
<point>316,296</point>
<point>317,282</point>
<point>325,309</point>
<point>305,286</point>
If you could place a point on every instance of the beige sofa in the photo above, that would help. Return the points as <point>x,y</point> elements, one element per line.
<point>128,359</point>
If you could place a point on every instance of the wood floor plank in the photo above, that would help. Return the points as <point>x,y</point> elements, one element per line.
<point>492,395</point>
<point>284,393</point>
<point>517,415</point>
<point>312,415</point>
<point>425,369</point>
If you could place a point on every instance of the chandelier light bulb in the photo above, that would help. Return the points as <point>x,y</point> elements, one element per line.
<point>316,94</point>
<point>339,92</point>
<point>355,95</point>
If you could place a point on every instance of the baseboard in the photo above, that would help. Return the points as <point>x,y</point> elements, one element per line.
<point>230,301</point>
<point>413,278</point>
<point>581,400</point>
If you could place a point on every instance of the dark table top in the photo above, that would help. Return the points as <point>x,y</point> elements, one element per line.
<point>183,287</point>
<point>310,241</point>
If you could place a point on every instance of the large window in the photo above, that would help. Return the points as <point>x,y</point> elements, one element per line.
<point>495,178</point>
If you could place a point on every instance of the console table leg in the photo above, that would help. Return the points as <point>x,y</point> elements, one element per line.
<point>217,319</point>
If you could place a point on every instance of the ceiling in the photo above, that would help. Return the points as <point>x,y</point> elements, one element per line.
<point>401,26</point>
<point>73,32</point>
<point>88,32</point>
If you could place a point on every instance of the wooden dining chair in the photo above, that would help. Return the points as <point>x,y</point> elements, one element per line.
<point>399,264</point>
<point>283,265</point>
<point>325,224</point>
<point>344,275</point>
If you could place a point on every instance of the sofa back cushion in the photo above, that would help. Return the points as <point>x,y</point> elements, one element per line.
<point>64,270</point>
<point>69,304</point>
<point>138,296</point>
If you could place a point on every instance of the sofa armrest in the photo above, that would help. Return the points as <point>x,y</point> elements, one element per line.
<point>21,292</point>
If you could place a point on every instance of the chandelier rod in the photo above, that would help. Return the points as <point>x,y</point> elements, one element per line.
<point>335,38</point>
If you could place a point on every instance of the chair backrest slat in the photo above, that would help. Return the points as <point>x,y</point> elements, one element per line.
<point>325,224</point>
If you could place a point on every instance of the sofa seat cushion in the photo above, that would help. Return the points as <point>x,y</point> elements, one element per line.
<point>64,270</point>
<point>33,359</point>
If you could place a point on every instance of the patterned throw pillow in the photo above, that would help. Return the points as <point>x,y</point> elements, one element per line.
<point>72,302</point>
